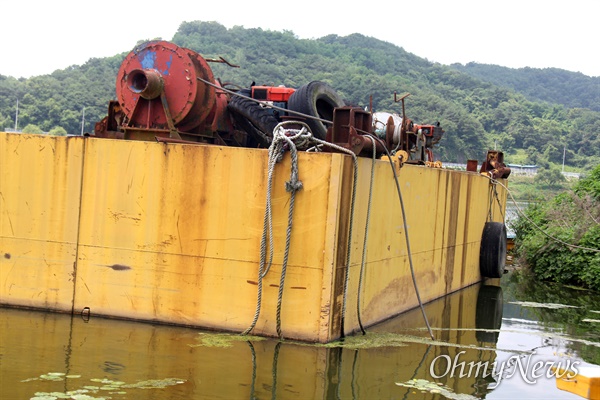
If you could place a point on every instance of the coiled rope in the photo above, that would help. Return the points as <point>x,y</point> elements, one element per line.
<point>281,141</point>
<point>522,213</point>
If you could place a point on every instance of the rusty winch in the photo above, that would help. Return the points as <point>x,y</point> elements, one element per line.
<point>161,93</point>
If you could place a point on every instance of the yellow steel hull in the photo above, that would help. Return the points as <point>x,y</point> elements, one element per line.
<point>172,233</point>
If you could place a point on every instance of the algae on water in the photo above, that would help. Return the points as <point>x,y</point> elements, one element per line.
<point>375,340</point>
<point>88,392</point>
<point>424,385</point>
<point>223,339</point>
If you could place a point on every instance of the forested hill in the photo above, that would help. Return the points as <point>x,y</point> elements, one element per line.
<point>475,114</point>
<point>553,85</point>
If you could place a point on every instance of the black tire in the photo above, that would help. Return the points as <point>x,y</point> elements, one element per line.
<point>492,255</point>
<point>488,313</point>
<point>258,122</point>
<point>316,99</point>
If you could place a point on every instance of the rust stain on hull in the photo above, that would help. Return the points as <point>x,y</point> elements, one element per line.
<point>342,248</point>
<point>453,182</point>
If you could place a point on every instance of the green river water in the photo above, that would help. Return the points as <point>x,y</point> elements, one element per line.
<point>512,324</point>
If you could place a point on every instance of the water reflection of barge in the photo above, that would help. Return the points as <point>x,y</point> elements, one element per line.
<point>127,352</point>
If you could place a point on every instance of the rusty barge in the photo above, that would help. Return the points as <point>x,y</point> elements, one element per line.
<point>263,210</point>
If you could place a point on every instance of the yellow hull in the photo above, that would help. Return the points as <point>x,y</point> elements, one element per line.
<point>172,233</point>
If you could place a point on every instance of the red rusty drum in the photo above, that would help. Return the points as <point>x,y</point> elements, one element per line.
<point>157,72</point>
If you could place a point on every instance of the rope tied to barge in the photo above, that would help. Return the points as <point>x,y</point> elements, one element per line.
<point>304,136</point>
<point>351,222</point>
<point>494,195</point>
<point>282,139</point>
<point>291,139</point>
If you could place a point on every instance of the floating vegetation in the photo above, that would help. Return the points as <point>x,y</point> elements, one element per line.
<point>378,340</point>
<point>52,376</point>
<point>553,306</point>
<point>45,377</point>
<point>370,340</point>
<point>108,385</point>
<point>155,383</point>
<point>425,386</point>
<point>72,394</point>
<point>374,340</point>
<point>223,339</point>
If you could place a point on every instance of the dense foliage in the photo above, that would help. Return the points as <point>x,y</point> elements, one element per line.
<point>58,100</point>
<point>551,85</point>
<point>475,114</point>
<point>572,217</point>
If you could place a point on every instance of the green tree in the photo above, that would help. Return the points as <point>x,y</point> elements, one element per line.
<point>554,238</point>
<point>551,177</point>
<point>532,155</point>
<point>31,128</point>
<point>58,131</point>
<point>590,185</point>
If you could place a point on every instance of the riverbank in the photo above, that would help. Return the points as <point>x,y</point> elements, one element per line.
<point>559,239</point>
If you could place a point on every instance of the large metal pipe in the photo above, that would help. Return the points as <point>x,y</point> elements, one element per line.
<point>147,83</point>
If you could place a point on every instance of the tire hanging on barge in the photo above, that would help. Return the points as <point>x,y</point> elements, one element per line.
<point>492,255</point>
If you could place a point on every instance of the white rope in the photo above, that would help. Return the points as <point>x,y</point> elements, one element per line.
<point>282,139</point>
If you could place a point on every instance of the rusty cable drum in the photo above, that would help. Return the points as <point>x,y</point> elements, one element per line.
<point>159,68</point>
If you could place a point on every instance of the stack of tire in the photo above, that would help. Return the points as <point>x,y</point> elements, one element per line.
<point>316,99</point>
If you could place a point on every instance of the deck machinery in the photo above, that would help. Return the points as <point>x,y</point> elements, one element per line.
<point>169,93</point>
